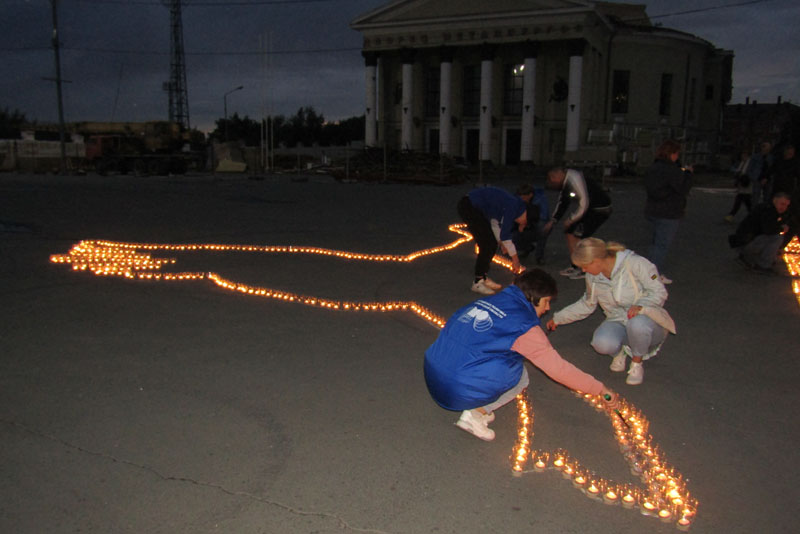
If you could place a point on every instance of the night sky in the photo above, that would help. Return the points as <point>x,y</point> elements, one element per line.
<point>115,54</point>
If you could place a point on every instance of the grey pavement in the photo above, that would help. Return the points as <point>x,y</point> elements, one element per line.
<point>180,407</point>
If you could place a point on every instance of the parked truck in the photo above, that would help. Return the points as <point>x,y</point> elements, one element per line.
<point>154,147</point>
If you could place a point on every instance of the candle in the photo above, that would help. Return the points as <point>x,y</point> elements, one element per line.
<point>610,497</point>
<point>665,514</point>
<point>628,500</point>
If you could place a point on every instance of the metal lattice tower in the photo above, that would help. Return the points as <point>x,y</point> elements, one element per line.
<point>176,86</point>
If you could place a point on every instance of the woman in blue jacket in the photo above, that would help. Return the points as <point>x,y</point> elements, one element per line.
<point>476,365</point>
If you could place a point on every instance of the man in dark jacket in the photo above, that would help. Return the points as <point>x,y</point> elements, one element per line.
<point>667,185</point>
<point>759,235</point>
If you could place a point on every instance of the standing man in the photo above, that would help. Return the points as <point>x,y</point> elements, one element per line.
<point>592,209</point>
<point>491,214</point>
<point>667,185</point>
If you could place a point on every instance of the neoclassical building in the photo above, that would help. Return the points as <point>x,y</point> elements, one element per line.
<point>538,81</point>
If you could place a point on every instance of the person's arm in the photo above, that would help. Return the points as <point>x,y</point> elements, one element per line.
<point>577,185</point>
<point>576,311</point>
<point>534,346</point>
<point>646,274</point>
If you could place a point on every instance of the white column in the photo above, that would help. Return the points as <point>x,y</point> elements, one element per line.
<point>407,107</point>
<point>445,95</point>
<point>574,102</point>
<point>528,101</point>
<point>371,124</point>
<point>486,109</point>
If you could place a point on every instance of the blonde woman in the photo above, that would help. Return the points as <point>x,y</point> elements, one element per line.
<point>628,289</point>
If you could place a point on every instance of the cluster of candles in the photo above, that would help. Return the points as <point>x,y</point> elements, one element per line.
<point>664,494</point>
<point>791,256</point>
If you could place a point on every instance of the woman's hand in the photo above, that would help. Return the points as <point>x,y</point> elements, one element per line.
<point>633,311</point>
<point>610,399</point>
<point>551,325</point>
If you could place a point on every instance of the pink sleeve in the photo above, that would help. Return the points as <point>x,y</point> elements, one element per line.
<point>536,348</point>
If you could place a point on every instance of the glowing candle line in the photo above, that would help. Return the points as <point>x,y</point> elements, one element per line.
<point>664,494</point>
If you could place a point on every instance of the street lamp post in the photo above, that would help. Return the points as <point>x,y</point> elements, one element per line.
<point>225,104</point>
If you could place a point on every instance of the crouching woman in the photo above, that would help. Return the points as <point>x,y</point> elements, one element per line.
<point>628,289</point>
<point>476,365</point>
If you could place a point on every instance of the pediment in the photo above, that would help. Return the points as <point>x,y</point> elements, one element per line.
<point>404,12</point>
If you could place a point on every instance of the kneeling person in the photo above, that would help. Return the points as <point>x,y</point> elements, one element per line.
<point>476,365</point>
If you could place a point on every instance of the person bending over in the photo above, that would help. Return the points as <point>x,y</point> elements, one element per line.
<point>476,365</point>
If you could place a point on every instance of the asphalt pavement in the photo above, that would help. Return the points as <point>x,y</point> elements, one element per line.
<point>178,406</point>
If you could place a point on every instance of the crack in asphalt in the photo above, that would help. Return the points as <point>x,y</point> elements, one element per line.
<point>171,478</point>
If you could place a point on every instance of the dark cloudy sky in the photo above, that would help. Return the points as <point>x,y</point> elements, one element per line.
<point>115,53</point>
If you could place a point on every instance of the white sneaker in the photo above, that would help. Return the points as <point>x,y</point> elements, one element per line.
<point>489,417</point>
<point>664,280</point>
<point>578,276</point>
<point>635,374</point>
<point>491,284</point>
<point>618,363</point>
<point>481,287</point>
<point>570,272</point>
<point>475,423</point>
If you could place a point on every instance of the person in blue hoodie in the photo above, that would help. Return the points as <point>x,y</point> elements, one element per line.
<point>491,214</point>
<point>476,365</point>
<point>534,237</point>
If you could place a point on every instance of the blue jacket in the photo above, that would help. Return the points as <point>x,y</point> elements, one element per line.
<point>500,205</point>
<point>471,362</point>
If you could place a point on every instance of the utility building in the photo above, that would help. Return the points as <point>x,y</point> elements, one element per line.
<point>538,82</point>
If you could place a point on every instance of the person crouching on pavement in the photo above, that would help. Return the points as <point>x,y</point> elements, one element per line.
<point>476,364</point>
<point>628,289</point>
<point>760,235</point>
<point>491,213</point>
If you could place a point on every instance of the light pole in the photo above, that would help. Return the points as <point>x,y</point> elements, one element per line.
<point>225,104</point>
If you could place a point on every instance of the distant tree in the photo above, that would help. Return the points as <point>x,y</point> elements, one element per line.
<point>11,124</point>
<point>343,132</point>
<point>306,127</point>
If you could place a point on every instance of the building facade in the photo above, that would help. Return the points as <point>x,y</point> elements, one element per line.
<point>539,82</point>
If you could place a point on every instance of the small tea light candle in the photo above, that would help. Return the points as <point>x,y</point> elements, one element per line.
<point>579,481</point>
<point>665,515</point>
<point>647,508</point>
<point>568,471</point>
<point>610,497</point>
<point>592,490</point>
<point>628,500</point>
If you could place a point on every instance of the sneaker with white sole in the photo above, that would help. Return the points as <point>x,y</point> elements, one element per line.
<point>577,276</point>
<point>618,362</point>
<point>475,423</point>
<point>488,417</point>
<point>570,272</point>
<point>491,284</point>
<point>481,287</point>
<point>635,374</point>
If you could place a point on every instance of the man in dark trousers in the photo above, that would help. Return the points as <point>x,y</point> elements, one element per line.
<point>759,236</point>
<point>592,208</point>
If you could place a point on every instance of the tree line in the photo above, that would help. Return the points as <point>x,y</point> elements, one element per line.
<point>306,127</point>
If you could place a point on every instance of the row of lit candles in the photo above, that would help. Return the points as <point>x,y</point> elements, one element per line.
<point>665,496</point>
<point>112,258</point>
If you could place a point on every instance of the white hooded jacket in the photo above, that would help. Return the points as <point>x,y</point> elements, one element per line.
<point>634,282</point>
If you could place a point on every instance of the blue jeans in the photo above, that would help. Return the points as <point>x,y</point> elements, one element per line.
<point>641,334</point>
<point>664,231</point>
